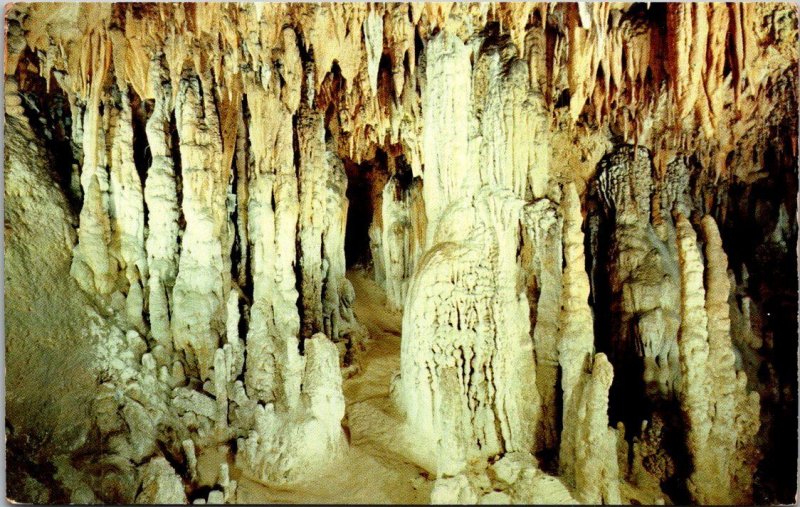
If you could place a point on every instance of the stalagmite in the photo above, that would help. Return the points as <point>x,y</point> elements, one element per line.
<point>674,189</point>
<point>198,299</point>
<point>126,211</point>
<point>576,337</point>
<point>161,484</point>
<point>596,469</point>
<point>730,404</point>
<point>274,455</point>
<point>466,330</point>
<point>161,199</point>
<point>588,445</point>
<point>721,369</point>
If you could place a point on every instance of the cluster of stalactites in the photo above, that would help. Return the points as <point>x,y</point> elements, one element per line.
<point>475,112</point>
<point>614,60</point>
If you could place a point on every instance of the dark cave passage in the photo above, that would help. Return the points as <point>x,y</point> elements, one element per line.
<point>365,183</point>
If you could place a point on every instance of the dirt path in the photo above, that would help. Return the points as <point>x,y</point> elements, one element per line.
<point>375,468</point>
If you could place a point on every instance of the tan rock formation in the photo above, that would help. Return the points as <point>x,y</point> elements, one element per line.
<point>719,408</point>
<point>93,266</point>
<point>160,484</point>
<point>273,337</point>
<point>274,455</point>
<point>402,237</point>
<point>576,338</point>
<point>126,210</point>
<point>540,261</point>
<point>198,305</point>
<point>596,467</point>
<point>161,199</point>
<point>180,182</point>
<point>466,330</point>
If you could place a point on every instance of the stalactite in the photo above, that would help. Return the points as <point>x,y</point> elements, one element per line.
<point>273,346</point>
<point>242,198</point>
<point>509,144</point>
<point>402,237</point>
<point>373,40</point>
<point>399,35</point>
<point>323,215</point>
<point>335,34</point>
<point>13,102</point>
<point>542,227</point>
<point>593,45</point>
<point>92,265</point>
<point>445,143</point>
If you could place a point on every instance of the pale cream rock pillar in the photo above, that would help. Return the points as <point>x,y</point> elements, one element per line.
<point>466,357</point>
<point>274,364</point>
<point>92,264</point>
<point>445,149</point>
<point>201,286</point>
<point>695,396</point>
<point>576,339</point>
<point>127,213</point>
<point>161,198</point>
<point>596,467</point>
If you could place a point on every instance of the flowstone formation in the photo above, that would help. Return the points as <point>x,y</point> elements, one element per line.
<point>218,216</point>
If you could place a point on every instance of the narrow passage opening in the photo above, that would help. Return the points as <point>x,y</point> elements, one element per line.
<point>365,184</point>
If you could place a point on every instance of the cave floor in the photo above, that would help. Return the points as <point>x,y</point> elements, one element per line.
<point>376,468</point>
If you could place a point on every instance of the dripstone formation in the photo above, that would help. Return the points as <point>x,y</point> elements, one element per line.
<point>447,252</point>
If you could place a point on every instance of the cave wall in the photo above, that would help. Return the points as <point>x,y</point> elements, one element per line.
<point>584,211</point>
